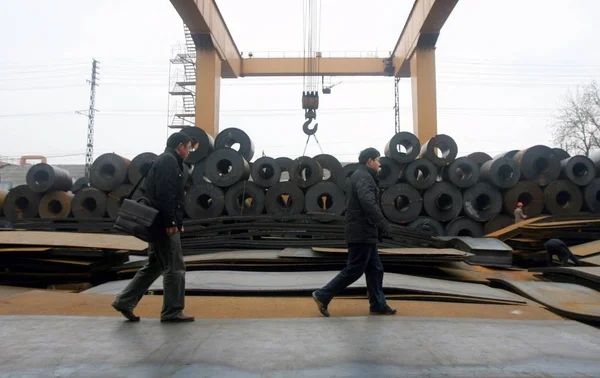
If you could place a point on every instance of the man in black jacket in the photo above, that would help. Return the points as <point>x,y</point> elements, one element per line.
<point>164,188</point>
<point>365,224</point>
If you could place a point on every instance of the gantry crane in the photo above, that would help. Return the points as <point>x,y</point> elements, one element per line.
<point>413,57</point>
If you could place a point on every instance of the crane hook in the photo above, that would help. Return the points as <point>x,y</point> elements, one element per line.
<point>308,131</point>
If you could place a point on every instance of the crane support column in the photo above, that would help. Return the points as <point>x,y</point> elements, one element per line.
<point>424,104</point>
<point>208,84</point>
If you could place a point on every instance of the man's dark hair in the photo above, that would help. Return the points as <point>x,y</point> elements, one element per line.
<point>176,138</point>
<point>369,153</point>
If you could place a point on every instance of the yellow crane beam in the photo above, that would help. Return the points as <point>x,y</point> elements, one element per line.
<point>326,67</point>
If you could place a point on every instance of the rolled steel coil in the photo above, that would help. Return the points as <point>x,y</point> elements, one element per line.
<point>348,171</point>
<point>443,201</point>
<point>225,167</point>
<point>204,200</point>
<point>538,164</point>
<point>115,198</point>
<point>463,226</point>
<point>3,194</point>
<point>109,171</point>
<point>389,172</point>
<point>245,198</point>
<point>479,158</point>
<point>139,165</point>
<point>285,165</point>
<point>580,170</point>
<point>325,197</point>
<point>332,169</point>
<point>403,147</point>
<point>462,172</point>
<point>562,197</point>
<point>595,158</point>
<point>420,173</point>
<point>561,154</point>
<point>508,154</point>
<point>499,222</point>
<point>501,172</point>
<point>55,205</point>
<point>591,196</point>
<point>231,137</point>
<point>527,193</point>
<point>89,203</point>
<point>43,177</point>
<point>284,198</point>
<point>428,224</point>
<point>21,203</point>
<point>199,173</point>
<point>266,172</point>
<point>401,203</point>
<point>482,202</point>
<point>306,172</point>
<point>446,147</point>
<point>203,144</point>
<point>80,183</point>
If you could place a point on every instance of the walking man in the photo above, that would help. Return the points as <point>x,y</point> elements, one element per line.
<point>559,248</point>
<point>165,190</point>
<point>519,215</point>
<point>365,224</point>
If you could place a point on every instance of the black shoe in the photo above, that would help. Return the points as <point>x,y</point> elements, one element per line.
<point>387,311</point>
<point>322,308</point>
<point>179,319</point>
<point>127,314</point>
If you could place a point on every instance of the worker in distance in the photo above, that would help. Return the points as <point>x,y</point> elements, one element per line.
<point>365,226</point>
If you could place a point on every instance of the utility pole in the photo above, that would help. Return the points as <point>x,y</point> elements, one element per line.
<point>396,105</point>
<point>89,152</point>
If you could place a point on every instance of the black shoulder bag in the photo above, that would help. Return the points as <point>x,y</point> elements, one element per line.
<point>135,218</point>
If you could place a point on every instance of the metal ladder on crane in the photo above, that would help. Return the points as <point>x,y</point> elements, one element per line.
<point>184,85</point>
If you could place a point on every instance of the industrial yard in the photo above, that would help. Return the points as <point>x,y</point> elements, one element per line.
<point>475,293</point>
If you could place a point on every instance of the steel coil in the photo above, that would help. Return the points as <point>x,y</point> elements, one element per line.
<point>306,172</point>
<point>443,201</point>
<point>538,164</point>
<point>403,147</point>
<point>204,200</point>
<point>199,173</point>
<point>325,197</point>
<point>80,183</point>
<point>115,198</point>
<point>284,198</point>
<point>428,224</point>
<point>529,194</point>
<point>499,222</point>
<point>203,144</point>
<point>479,158</point>
<point>446,147</point>
<point>245,198</point>
<point>463,226</point>
<point>89,203</point>
<point>232,137</point>
<point>348,171</point>
<point>562,197</point>
<point>508,154</point>
<point>285,165</point>
<point>462,172</point>
<point>332,169</point>
<point>265,172</point>
<point>55,205</point>
<point>139,165</point>
<point>482,202</point>
<point>578,169</point>
<point>501,172</point>
<point>43,177</point>
<point>591,196</point>
<point>225,167</point>
<point>21,203</point>
<point>389,172</point>
<point>560,154</point>
<point>401,203</point>
<point>109,171</point>
<point>420,173</point>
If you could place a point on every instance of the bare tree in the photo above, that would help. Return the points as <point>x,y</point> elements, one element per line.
<point>577,124</point>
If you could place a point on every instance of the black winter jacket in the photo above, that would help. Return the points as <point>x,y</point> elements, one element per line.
<point>164,188</point>
<point>364,219</point>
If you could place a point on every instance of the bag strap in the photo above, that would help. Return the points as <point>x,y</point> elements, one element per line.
<point>139,181</point>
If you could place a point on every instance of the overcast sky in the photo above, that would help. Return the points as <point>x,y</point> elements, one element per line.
<point>503,68</point>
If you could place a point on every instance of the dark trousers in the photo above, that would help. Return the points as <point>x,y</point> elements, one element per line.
<point>564,254</point>
<point>164,257</point>
<point>362,258</point>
